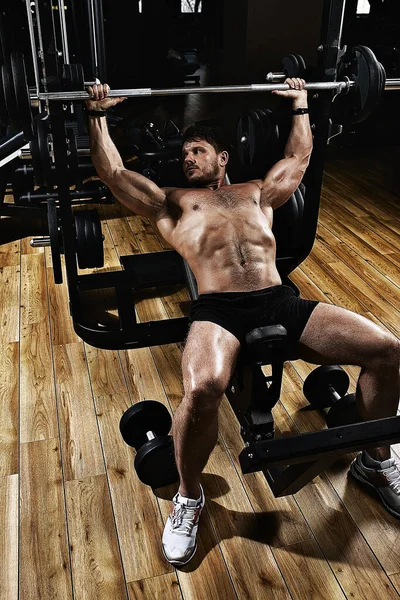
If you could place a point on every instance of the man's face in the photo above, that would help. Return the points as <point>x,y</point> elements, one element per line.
<point>201,163</point>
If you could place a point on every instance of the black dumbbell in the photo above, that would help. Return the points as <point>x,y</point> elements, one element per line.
<point>145,426</point>
<point>326,387</point>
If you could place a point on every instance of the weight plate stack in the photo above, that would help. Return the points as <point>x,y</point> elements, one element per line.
<point>22,94</point>
<point>89,239</point>
<point>361,66</point>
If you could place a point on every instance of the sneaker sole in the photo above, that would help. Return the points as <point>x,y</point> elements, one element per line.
<point>362,479</point>
<point>179,563</point>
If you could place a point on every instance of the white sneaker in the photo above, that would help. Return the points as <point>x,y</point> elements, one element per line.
<point>179,537</point>
<point>384,478</point>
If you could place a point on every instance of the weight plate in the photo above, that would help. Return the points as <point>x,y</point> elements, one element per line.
<point>343,412</point>
<point>155,462</point>
<point>52,220</point>
<point>291,66</point>
<point>89,239</point>
<point>74,178</point>
<point>22,94</point>
<point>10,100</point>
<point>98,247</point>
<point>42,137</point>
<point>4,118</point>
<point>34,148</point>
<point>316,386</point>
<point>142,417</point>
<point>366,94</point>
<point>302,66</point>
<point>81,252</point>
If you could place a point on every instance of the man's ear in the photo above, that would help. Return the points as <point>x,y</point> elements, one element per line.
<point>224,157</point>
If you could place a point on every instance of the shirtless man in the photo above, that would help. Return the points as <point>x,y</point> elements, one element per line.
<point>224,233</point>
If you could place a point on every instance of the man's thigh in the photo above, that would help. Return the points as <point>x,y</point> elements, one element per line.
<point>210,353</point>
<point>335,335</point>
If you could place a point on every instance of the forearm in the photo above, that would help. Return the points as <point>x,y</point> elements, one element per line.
<point>104,154</point>
<point>299,142</point>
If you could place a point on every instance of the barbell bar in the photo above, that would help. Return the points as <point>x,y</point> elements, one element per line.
<point>340,86</point>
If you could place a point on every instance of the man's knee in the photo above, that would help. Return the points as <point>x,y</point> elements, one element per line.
<point>387,353</point>
<point>204,393</point>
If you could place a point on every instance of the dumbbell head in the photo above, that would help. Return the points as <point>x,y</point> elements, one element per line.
<point>317,386</point>
<point>141,418</point>
<point>343,412</point>
<point>155,462</point>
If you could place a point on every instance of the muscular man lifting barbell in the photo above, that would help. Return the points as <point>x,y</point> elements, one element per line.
<point>225,234</point>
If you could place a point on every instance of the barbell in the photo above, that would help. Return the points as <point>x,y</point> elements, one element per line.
<point>362,81</point>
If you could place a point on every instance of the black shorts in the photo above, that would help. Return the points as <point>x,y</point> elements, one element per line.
<point>240,312</point>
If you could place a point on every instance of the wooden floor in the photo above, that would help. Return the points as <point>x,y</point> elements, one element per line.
<point>75,522</point>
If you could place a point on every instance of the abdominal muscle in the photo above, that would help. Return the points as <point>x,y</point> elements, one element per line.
<point>228,250</point>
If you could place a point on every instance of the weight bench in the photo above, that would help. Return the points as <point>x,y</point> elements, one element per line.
<point>288,463</point>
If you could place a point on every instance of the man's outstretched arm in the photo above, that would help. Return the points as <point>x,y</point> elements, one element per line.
<point>135,191</point>
<point>285,176</point>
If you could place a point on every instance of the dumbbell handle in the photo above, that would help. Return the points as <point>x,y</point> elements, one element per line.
<point>333,394</point>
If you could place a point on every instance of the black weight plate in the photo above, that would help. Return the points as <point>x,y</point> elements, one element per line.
<point>89,239</point>
<point>291,66</point>
<point>343,412</point>
<point>316,386</point>
<point>249,138</point>
<point>10,99</point>
<point>367,91</point>
<point>66,77</point>
<point>98,247</point>
<point>73,167</point>
<point>52,220</point>
<point>79,77</point>
<point>155,462</point>
<point>4,118</point>
<point>42,137</point>
<point>22,94</point>
<point>142,417</point>
<point>302,65</point>
<point>81,251</point>
<point>35,152</point>
<point>383,78</point>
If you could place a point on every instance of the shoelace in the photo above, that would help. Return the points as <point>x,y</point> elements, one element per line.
<point>392,475</point>
<point>183,518</point>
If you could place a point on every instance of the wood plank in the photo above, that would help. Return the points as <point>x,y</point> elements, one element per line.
<point>387,264</point>
<point>9,537</point>
<point>163,587</point>
<point>9,303</point>
<point>62,329</point>
<point>395,579</point>
<point>37,394</point>
<point>244,537</point>
<point>307,573</point>
<point>10,253</point>
<point>141,375</point>
<point>135,506</point>
<point>122,236</point>
<point>44,557</point>
<point>82,453</point>
<point>333,288</point>
<point>145,236</point>
<point>96,563</point>
<point>34,307</point>
<point>106,374</point>
<point>9,391</point>
<point>351,558</point>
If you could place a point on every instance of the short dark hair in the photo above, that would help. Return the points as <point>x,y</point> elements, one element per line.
<point>212,135</point>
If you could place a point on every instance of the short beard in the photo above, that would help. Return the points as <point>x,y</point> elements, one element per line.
<point>205,178</point>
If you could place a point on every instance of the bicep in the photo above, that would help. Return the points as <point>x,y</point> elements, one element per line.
<point>282,180</point>
<point>136,192</point>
